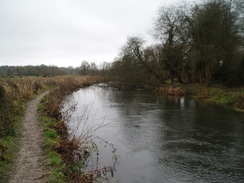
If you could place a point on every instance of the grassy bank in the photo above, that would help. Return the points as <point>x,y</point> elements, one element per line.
<point>233,98</point>
<point>229,97</point>
<point>65,154</point>
<point>14,94</point>
<point>51,143</point>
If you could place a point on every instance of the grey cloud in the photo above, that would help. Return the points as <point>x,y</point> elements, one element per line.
<point>64,32</point>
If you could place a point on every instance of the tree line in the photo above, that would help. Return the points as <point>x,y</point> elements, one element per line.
<point>200,43</point>
<point>47,71</point>
<point>41,70</point>
<point>85,68</point>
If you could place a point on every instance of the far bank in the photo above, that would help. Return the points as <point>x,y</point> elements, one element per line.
<point>229,97</point>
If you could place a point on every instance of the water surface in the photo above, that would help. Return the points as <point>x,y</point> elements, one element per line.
<point>161,139</point>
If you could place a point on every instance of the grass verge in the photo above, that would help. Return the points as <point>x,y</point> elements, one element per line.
<point>51,143</point>
<point>232,98</point>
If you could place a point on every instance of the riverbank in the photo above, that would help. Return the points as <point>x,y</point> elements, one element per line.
<point>14,95</point>
<point>66,154</point>
<point>229,97</point>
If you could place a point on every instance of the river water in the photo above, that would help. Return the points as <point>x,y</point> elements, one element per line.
<point>159,139</point>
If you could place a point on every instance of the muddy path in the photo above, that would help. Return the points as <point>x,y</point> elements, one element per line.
<point>30,167</point>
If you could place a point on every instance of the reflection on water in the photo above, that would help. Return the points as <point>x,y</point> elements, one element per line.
<point>163,139</point>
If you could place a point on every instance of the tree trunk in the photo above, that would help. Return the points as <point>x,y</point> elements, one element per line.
<point>209,80</point>
<point>189,77</point>
<point>172,76</point>
<point>179,78</point>
<point>209,73</point>
<point>141,60</point>
<point>200,78</point>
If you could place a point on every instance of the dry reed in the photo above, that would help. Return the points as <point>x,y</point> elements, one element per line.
<point>170,91</point>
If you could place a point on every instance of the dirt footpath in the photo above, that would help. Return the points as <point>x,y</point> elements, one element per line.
<point>30,166</point>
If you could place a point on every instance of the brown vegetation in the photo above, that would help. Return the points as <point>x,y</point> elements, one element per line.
<point>73,150</point>
<point>170,91</point>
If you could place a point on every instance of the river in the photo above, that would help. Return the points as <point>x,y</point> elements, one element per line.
<point>159,139</point>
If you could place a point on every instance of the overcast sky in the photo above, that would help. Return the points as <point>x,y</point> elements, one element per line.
<point>67,32</point>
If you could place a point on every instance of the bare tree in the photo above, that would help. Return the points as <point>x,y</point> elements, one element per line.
<point>84,67</point>
<point>171,29</point>
<point>215,34</point>
<point>135,49</point>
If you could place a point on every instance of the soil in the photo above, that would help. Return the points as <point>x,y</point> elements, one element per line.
<point>30,166</point>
